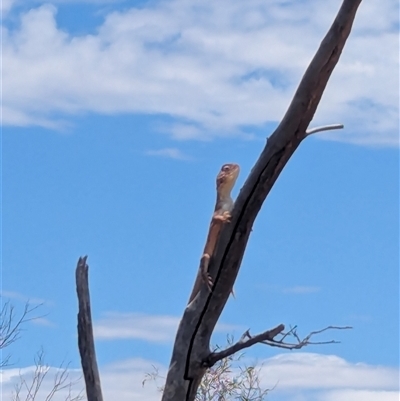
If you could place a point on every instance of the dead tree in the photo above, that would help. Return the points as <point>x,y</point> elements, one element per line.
<point>85,334</point>
<point>191,355</point>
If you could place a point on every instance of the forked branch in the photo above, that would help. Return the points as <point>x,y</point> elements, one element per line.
<point>34,387</point>
<point>10,326</point>
<point>245,341</point>
<point>268,337</point>
<point>305,341</point>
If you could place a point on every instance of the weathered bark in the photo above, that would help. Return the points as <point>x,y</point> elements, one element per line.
<point>191,349</point>
<point>85,334</point>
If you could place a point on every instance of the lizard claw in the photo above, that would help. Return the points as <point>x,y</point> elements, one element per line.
<point>209,282</point>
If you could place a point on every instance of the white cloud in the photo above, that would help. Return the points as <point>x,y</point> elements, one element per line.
<point>360,395</point>
<point>317,371</point>
<point>123,380</point>
<point>301,290</point>
<point>152,328</point>
<point>10,378</point>
<point>17,296</point>
<point>120,381</point>
<point>5,7</point>
<point>139,326</point>
<point>42,321</point>
<point>297,376</point>
<point>217,65</point>
<point>296,289</point>
<point>172,153</point>
<point>319,377</point>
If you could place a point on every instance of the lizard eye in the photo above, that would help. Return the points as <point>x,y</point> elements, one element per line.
<point>226,167</point>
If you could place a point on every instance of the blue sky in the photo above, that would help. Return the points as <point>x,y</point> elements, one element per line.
<point>116,119</point>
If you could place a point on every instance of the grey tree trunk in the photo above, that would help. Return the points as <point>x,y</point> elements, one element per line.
<point>191,354</point>
<point>85,334</point>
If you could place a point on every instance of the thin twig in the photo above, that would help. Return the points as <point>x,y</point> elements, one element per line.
<point>306,340</point>
<point>324,128</point>
<point>9,328</point>
<point>247,340</point>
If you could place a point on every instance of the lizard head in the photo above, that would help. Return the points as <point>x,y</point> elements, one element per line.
<point>227,177</point>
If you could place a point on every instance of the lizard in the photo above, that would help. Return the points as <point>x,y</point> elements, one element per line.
<point>226,179</point>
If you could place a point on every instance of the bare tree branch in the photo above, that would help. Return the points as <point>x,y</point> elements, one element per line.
<point>85,334</point>
<point>305,341</point>
<point>246,341</point>
<point>324,128</point>
<point>30,391</point>
<point>11,326</point>
<point>268,337</point>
